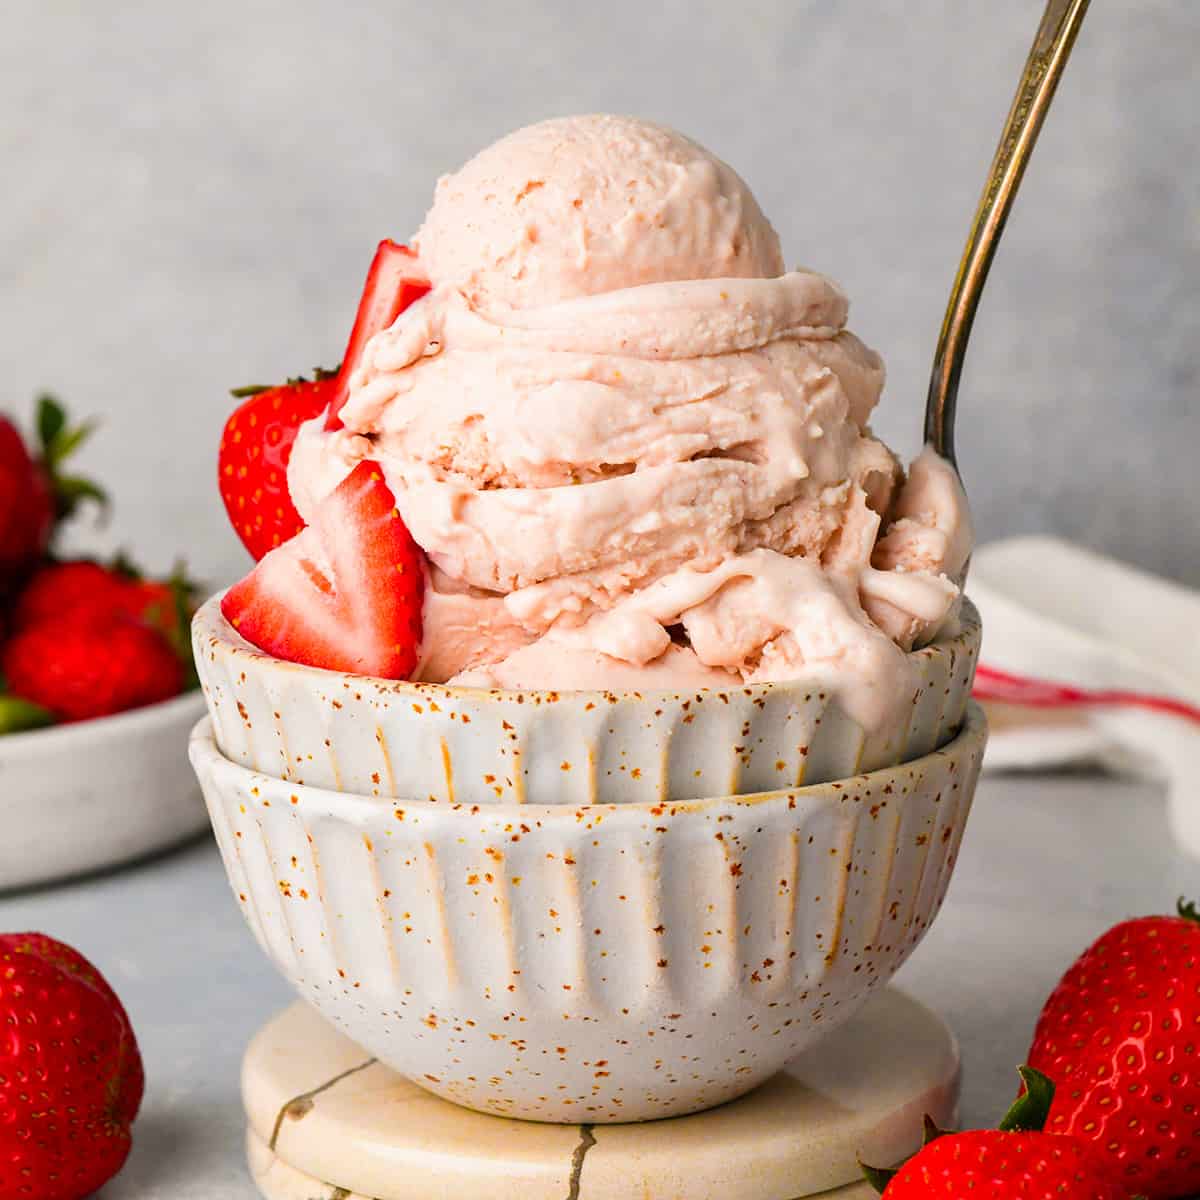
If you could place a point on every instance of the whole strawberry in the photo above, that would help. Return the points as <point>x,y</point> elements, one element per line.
<point>167,605</point>
<point>1120,1036</point>
<point>35,494</point>
<point>1015,1160</point>
<point>986,1164</point>
<point>252,461</point>
<point>79,590</point>
<point>85,592</point>
<point>26,505</point>
<point>77,671</point>
<point>71,1077</point>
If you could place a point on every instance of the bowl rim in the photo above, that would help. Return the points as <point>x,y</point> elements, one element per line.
<point>210,628</point>
<point>203,749</point>
<point>74,736</point>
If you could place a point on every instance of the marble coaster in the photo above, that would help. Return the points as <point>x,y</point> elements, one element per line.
<point>327,1122</point>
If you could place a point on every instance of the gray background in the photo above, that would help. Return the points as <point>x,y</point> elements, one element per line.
<point>191,194</point>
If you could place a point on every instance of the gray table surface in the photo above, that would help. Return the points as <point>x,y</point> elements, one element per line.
<point>1047,864</point>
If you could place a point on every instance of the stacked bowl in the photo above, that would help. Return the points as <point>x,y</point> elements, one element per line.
<point>582,906</point>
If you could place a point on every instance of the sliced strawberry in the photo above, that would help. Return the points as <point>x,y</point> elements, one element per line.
<point>344,594</point>
<point>252,462</point>
<point>393,283</point>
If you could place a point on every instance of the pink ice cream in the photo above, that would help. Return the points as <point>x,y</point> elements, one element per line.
<point>633,446</point>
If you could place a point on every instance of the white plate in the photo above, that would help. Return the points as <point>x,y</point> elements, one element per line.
<point>81,797</point>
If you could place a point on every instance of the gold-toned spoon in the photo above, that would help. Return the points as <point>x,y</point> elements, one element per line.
<point>1043,69</point>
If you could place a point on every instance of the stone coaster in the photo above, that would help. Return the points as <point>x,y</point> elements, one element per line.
<point>327,1122</point>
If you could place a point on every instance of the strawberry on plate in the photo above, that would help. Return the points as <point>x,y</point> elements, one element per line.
<point>26,505</point>
<point>1017,1160</point>
<point>168,606</point>
<point>394,281</point>
<point>90,640</point>
<point>80,670</point>
<point>1120,1036</point>
<point>344,594</point>
<point>71,1078</point>
<point>35,494</point>
<point>252,462</point>
<point>78,639</point>
<point>78,590</point>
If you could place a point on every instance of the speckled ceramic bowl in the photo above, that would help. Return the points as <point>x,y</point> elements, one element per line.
<point>378,737</point>
<point>596,963</point>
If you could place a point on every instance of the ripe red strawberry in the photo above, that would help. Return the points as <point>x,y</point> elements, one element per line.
<point>256,445</point>
<point>1016,1160</point>
<point>71,1076</point>
<point>166,605</point>
<point>34,493</point>
<point>80,590</point>
<point>394,281</point>
<point>83,592</point>
<point>986,1164</point>
<point>163,604</point>
<point>1120,1036</point>
<point>346,593</point>
<point>26,505</point>
<point>89,669</point>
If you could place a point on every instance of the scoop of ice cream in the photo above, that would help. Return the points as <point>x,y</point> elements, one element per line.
<point>583,205</point>
<point>634,448</point>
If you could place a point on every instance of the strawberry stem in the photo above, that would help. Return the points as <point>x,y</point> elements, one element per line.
<point>58,441</point>
<point>932,1132</point>
<point>1027,1115</point>
<point>18,715</point>
<point>880,1177</point>
<point>877,1177</point>
<point>319,375</point>
<point>1188,910</point>
<point>1030,1110</point>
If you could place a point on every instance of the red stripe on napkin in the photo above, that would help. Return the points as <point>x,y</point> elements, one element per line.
<point>1001,687</point>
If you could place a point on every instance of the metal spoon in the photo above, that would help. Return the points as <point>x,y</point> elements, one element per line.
<point>1043,69</point>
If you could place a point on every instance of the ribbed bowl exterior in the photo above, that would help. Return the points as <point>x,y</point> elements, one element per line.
<point>383,738</point>
<point>592,963</point>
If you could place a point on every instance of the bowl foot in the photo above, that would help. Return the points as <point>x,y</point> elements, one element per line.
<point>327,1122</point>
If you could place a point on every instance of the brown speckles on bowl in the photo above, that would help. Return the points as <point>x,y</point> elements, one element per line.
<point>622,747</point>
<point>689,947</point>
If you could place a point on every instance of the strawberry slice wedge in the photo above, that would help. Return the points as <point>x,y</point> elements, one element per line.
<point>393,283</point>
<point>345,593</point>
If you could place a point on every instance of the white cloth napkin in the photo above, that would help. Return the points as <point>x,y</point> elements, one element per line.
<point>1088,660</point>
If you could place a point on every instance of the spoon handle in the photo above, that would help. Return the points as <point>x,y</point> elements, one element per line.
<point>1043,69</point>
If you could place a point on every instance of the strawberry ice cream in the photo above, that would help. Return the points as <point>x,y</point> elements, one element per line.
<point>633,447</point>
